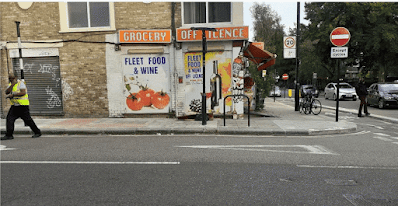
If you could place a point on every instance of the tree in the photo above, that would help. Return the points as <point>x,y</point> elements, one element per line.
<point>373,27</point>
<point>268,29</point>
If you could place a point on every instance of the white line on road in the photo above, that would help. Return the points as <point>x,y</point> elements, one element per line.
<point>88,162</point>
<point>3,147</point>
<point>347,167</point>
<point>375,126</point>
<point>383,138</point>
<point>308,149</point>
<point>381,134</point>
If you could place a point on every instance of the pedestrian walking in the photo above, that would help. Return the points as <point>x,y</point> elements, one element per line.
<point>362,91</point>
<point>18,95</point>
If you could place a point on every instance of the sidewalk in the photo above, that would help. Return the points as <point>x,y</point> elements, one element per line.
<point>276,119</point>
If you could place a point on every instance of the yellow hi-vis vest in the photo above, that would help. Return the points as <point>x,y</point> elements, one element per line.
<point>24,100</point>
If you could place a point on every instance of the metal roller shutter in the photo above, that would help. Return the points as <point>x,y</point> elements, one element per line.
<point>43,81</point>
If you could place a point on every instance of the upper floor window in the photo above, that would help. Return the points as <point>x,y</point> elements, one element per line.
<point>87,16</point>
<point>207,12</point>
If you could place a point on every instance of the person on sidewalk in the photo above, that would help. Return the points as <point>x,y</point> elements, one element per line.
<point>18,95</point>
<point>362,91</point>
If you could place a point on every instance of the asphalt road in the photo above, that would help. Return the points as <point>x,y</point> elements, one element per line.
<point>351,169</point>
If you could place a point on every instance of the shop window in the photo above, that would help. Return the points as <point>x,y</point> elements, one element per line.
<point>207,12</point>
<point>86,16</point>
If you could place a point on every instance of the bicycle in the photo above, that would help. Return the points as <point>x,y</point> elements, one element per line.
<point>309,104</point>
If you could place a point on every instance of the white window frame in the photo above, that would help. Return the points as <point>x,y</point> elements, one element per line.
<point>64,21</point>
<point>207,16</point>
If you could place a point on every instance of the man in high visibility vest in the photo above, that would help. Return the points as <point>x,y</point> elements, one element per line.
<point>18,95</point>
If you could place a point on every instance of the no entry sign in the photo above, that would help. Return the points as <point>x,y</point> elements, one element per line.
<point>340,36</point>
<point>285,76</point>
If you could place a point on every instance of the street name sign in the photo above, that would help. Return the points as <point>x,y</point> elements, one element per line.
<point>339,52</point>
<point>340,36</point>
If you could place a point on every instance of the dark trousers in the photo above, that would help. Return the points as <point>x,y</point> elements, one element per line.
<point>23,113</point>
<point>364,105</point>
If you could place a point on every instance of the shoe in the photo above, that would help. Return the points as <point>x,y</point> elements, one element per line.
<point>36,135</point>
<point>360,115</point>
<point>7,137</point>
<point>367,114</point>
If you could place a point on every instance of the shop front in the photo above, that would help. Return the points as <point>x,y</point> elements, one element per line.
<point>220,80</point>
<point>138,71</point>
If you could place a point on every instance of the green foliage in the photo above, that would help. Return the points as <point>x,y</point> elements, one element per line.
<point>374,37</point>
<point>263,85</point>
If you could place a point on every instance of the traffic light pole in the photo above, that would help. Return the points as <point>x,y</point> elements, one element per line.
<point>204,47</point>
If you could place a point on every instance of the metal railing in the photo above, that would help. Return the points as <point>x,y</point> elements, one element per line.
<point>248,100</point>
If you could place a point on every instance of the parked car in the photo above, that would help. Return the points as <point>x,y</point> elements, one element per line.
<point>346,91</point>
<point>383,95</point>
<point>306,89</point>
<point>275,91</point>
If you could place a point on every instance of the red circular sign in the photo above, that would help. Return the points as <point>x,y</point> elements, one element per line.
<point>285,76</point>
<point>340,36</point>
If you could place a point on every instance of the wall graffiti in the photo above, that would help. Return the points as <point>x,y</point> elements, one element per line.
<point>54,100</point>
<point>50,69</point>
<point>28,68</point>
<point>67,90</point>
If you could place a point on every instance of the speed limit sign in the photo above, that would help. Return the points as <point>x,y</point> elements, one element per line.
<point>289,42</point>
<point>289,47</point>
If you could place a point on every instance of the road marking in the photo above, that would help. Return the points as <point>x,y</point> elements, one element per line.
<point>88,162</point>
<point>377,127</point>
<point>308,149</point>
<point>3,147</point>
<point>395,142</point>
<point>347,167</point>
<point>383,138</point>
<point>381,134</point>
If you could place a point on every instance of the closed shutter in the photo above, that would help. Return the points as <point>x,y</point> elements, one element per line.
<point>43,81</point>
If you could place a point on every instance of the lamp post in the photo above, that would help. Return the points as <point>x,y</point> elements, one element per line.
<point>204,47</point>
<point>20,50</point>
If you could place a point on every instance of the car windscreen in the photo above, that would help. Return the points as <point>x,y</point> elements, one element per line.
<point>388,87</point>
<point>345,86</point>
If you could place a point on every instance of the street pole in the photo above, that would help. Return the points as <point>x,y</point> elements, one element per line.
<point>296,93</point>
<point>204,48</point>
<point>20,51</point>
<point>338,90</point>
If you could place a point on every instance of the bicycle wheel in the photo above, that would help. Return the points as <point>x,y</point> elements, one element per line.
<point>316,107</point>
<point>307,108</point>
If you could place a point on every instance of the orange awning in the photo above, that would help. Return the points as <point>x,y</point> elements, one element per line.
<point>262,58</point>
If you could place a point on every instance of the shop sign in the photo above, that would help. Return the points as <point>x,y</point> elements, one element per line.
<point>146,83</point>
<point>223,33</point>
<point>145,36</point>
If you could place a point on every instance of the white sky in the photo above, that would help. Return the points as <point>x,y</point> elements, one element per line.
<point>286,9</point>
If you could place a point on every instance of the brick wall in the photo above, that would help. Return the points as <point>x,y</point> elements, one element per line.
<point>82,65</point>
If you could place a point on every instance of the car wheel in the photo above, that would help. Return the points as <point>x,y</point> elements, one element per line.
<point>334,97</point>
<point>354,99</point>
<point>381,104</point>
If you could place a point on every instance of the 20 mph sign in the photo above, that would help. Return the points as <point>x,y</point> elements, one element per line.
<point>340,36</point>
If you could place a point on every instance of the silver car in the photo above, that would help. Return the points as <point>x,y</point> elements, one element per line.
<point>346,91</point>
<point>275,92</point>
